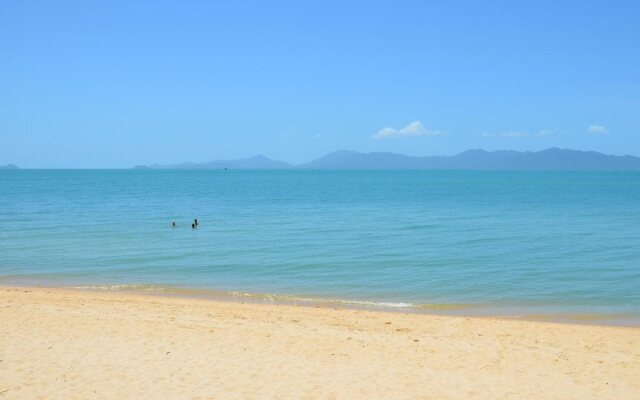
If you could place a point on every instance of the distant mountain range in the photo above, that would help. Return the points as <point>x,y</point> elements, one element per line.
<point>9,166</point>
<point>255,162</point>
<point>550,159</point>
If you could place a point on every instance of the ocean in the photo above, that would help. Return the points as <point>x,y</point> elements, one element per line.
<point>520,244</point>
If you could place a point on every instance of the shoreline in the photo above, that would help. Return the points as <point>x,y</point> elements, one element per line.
<point>506,312</point>
<point>75,344</point>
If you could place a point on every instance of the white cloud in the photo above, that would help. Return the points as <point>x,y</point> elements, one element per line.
<point>413,129</point>
<point>514,134</point>
<point>545,132</point>
<point>386,132</point>
<point>487,135</point>
<point>598,129</point>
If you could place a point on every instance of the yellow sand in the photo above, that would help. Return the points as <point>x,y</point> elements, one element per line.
<point>67,344</point>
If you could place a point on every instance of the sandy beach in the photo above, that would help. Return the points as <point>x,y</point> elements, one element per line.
<point>57,343</point>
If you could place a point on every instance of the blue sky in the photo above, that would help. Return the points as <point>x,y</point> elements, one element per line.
<point>120,83</point>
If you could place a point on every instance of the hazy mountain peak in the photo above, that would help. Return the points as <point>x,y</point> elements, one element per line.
<point>258,161</point>
<point>549,159</point>
<point>474,151</point>
<point>9,166</point>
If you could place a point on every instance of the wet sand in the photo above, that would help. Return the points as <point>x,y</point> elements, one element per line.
<point>57,343</point>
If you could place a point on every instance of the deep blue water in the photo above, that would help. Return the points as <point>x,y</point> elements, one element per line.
<point>527,242</point>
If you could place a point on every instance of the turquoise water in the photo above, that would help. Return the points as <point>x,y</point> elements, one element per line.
<point>505,243</point>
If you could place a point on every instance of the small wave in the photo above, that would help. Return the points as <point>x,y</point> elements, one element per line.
<point>322,300</point>
<point>124,287</point>
<point>378,303</point>
<point>444,306</point>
